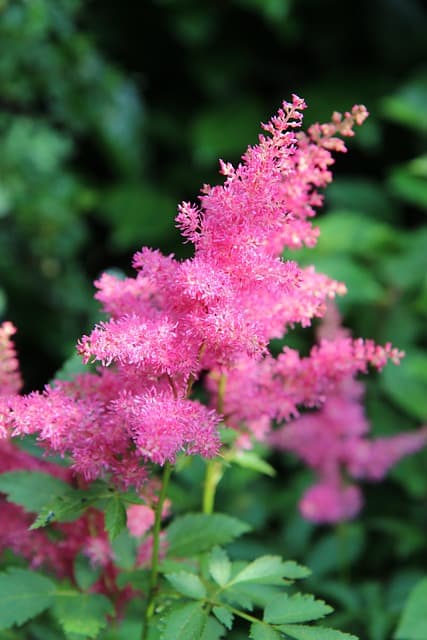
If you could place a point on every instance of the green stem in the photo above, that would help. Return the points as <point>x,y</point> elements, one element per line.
<point>152,592</point>
<point>214,473</point>
<point>214,468</point>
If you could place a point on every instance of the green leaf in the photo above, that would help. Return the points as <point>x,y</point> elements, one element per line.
<point>296,608</point>
<point>238,597</point>
<point>84,572</point>
<point>64,508</point>
<point>175,566</point>
<point>303,632</point>
<point>188,584</point>
<point>334,551</point>
<point>32,489</point>
<point>115,517</point>
<point>407,268</point>
<point>361,195</point>
<point>185,623</point>
<point>70,506</point>
<point>294,571</point>
<point>219,566</point>
<point>72,367</point>
<point>225,616</point>
<point>259,631</point>
<point>263,570</point>
<point>413,622</point>
<point>407,105</point>
<point>339,228</point>
<point>362,286</point>
<point>250,460</point>
<point>213,630</point>
<point>23,595</point>
<point>407,186</point>
<point>82,613</point>
<point>192,534</point>
<point>124,550</point>
<point>138,579</point>
<point>406,384</point>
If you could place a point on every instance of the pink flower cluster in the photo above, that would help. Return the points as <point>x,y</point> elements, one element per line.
<point>87,534</point>
<point>215,312</point>
<point>333,442</point>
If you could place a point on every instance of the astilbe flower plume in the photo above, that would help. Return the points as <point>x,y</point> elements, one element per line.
<point>36,546</point>
<point>216,311</point>
<point>56,548</point>
<point>334,442</point>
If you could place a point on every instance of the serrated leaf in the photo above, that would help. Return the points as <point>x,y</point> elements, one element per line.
<point>185,623</point>
<point>32,489</point>
<point>115,517</point>
<point>238,597</point>
<point>259,631</point>
<point>296,608</point>
<point>82,613</point>
<point>175,566</point>
<point>138,579</point>
<point>303,632</point>
<point>23,595</point>
<point>225,616</point>
<point>188,584</point>
<point>85,573</point>
<point>71,505</point>
<point>219,566</point>
<point>250,460</point>
<point>192,534</point>
<point>125,550</point>
<point>258,594</point>
<point>263,570</point>
<point>64,508</point>
<point>295,571</point>
<point>213,630</point>
<point>413,622</point>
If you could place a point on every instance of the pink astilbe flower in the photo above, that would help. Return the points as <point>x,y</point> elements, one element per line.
<point>217,311</point>
<point>333,440</point>
<point>77,417</point>
<point>140,519</point>
<point>331,502</point>
<point>236,293</point>
<point>258,391</point>
<point>163,425</point>
<point>10,378</point>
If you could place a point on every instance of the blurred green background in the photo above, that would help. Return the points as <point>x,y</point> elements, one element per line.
<point>113,112</point>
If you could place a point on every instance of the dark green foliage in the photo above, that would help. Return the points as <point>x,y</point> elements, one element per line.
<point>413,623</point>
<point>23,595</point>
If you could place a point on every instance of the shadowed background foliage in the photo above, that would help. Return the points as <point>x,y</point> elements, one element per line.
<point>112,112</point>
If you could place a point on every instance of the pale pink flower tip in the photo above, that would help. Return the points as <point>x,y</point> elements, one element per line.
<point>98,550</point>
<point>330,502</point>
<point>140,519</point>
<point>10,378</point>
